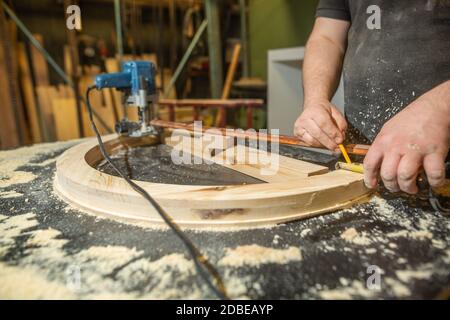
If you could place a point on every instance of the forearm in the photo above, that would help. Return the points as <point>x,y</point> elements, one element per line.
<point>439,99</point>
<point>322,70</point>
<point>324,57</point>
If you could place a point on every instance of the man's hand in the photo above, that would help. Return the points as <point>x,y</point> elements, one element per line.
<point>321,125</point>
<point>417,138</point>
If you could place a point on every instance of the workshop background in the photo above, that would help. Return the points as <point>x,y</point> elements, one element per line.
<point>208,53</point>
<point>43,93</point>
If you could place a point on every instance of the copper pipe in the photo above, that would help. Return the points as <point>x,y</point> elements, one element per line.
<point>282,139</point>
<point>231,133</point>
<point>357,149</point>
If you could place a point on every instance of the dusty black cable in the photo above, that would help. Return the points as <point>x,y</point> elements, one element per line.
<point>199,260</point>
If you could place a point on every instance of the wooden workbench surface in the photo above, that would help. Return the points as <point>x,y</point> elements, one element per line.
<point>49,250</point>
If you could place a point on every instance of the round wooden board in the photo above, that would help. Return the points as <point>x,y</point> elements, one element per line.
<point>79,183</point>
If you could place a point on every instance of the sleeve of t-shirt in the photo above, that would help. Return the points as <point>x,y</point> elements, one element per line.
<point>334,9</point>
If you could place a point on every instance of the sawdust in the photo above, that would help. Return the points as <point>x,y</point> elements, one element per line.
<point>347,292</point>
<point>107,258</point>
<point>417,234</point>
<point>351,235</point>
<point>29,284</point>
<point>10,194</point>
<point>419,230</point>
<point>12,160</point>
<point>45,238</point>
<point>387,213</point>
<point>44,163</point>
<point>255,255</point>
<point>105,272</point>
<point>407,275</point>
<point>397,288</point>
<point>114,272</point>
<point>438,244</point>
<point>13,226</point>
<point>305,232</point>
<point>382,204</point>
<point>167,277</point>
<point>17,177</point>
<point>396,234</point>
<point>353,289</point>
<point>421,234</point>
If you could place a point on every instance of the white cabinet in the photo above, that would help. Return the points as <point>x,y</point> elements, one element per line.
<point>285,90</point>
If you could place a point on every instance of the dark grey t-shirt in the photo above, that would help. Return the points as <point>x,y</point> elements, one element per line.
<point>386,69</point>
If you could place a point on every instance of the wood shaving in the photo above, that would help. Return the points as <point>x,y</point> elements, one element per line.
<point>418,234</point>
<point>397,288</point>
<point>46,238</point>
<point>29,284</point>
<point>11,160</point>
<point>38,275</point>
<point>351,235</point>
<point>407,275</point>
<point>255,255</point>
<point>305,232</point>
<point>10,194</point>
<point>347,292</point>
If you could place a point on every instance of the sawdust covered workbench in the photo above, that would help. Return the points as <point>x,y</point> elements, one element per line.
<point>50,250</point>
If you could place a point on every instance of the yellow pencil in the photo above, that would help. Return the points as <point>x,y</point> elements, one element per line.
<point>344,153</point>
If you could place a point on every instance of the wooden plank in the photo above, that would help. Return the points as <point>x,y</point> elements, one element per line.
<point>231,71</point>
<point>45,95</point>
<point>28,94</point>
<point>66,119</point>
<point>65,91</point>
<point>9,132</point>
<point>101,103</point>
<point>14,131</point>
<point>203,147</point>
<point>68,66</point>
<point>266,166</point>
<point>152,57</point>
<point>19,103</point>
<point>167,75</point>
<point>111,65</point>
<point>39,64</point>
<point>221,114</point>
<point>184,114</point>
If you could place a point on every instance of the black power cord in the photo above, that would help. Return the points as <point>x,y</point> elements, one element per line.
<point>200,261</point>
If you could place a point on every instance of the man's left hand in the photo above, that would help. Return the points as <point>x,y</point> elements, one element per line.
<point>417,138</point>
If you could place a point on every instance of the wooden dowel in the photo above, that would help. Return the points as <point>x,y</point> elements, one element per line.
<point>221,115</point>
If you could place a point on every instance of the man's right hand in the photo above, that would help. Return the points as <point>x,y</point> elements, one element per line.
<point>320,125</point>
